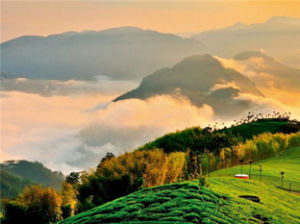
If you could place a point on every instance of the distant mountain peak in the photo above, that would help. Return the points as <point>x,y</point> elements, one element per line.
<point>283,76</point>
<point>122,29</point>
<point>127,28</point>
<point>203,80</point>
<point>200,60</point>
<point>237,26</point>
<point>203,57</point>
<point>245,55</point>
<point>279,36</point>
<point>285,20</point>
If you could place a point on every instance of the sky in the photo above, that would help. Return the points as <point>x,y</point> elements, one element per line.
<point>47,17</point>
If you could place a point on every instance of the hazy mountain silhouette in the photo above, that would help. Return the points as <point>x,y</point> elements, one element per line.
<point>202,79</point>
<point>11,184</point>
<point>29,172</point>
<point>120,53</point>
<point>270,71</point>
<point>279,36</point>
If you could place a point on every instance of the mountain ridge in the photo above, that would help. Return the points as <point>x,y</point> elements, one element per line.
<point>16,174</point>
<point>120,53</point>
<point>279,36</point>
<point>202,79</point>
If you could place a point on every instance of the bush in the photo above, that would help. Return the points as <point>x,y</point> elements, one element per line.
<point>265,145</point>
<point>66,211</point>
<point>36,205</point>
<point>14,212</point>
<point>294,140</point>
<point>203,181</point>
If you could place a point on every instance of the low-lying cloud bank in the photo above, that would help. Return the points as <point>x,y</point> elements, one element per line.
<point>276,80</point>
<point>73,128</point>
<point>48,88</point>
<point>74,132</point>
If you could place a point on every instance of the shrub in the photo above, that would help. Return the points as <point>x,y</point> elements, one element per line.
<point>36,205</point>
<point>203,181</point>
<point>294,140</point>
<point>14,212</point>
<point>66,211</point>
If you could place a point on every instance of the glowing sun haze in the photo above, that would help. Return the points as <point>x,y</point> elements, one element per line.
<point>48,17</point>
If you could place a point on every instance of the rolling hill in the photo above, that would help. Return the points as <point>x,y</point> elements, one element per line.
<point>219,203</point>
<point>119,53</point>
<point>203,80</point>
<point>279,36</point>
<point>195,138</point>
<point>15,175</point>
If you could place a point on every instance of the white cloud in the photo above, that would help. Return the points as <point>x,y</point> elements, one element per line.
<point>267,105</point>
<point>282,86</point>
<point>64,134</point>
<point>74,131</point>
<point>223,85</point>
<point>49,88</point>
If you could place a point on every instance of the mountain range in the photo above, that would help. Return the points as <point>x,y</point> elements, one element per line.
<point>119,53</point>
<point>132,53</point>
<point>278,36</point>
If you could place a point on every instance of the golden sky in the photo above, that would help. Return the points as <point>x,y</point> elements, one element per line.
<point>48,17</point>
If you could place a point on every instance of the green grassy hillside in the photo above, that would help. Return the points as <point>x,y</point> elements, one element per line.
<point>185,203</point>
<point>196,138</point>
<point>288,162</point>
<point>248,130</point>
<point>218,203</point>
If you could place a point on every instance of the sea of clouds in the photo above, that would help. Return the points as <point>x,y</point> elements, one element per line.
<point>72,130</point>
<point>71,125</point>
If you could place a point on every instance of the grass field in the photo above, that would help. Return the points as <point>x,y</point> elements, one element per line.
<point>288,162</point>
<point>219,203</point>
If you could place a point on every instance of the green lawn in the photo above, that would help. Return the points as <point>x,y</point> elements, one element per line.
<point>288,162</point>
<point>275,202</point>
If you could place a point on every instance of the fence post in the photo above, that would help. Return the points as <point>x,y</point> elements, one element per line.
<point>282,176</point>
<point>250,162</point>
<point>241,161</point>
